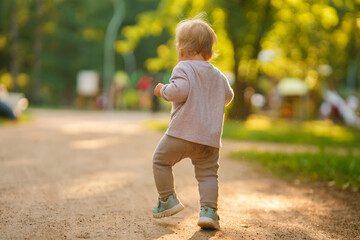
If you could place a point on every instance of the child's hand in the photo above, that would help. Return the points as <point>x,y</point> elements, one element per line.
<point>157,89</point>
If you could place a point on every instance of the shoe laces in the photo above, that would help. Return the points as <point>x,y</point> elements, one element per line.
<point>206,209</point>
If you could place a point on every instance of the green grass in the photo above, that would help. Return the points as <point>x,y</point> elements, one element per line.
<point>340,170</point>
<point>25,117</point>
<point>157,124</point>
<point>259,128</point>
<point>320,133</point>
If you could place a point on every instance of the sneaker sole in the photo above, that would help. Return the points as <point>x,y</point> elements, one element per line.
<point>208,223</point>
<point>174,210</point>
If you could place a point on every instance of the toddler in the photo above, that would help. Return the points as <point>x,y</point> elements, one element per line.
<point>199,93</point>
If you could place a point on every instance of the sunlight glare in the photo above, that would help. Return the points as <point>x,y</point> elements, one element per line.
<point>94,143</point>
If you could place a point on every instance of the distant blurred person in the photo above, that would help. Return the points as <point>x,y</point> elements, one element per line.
<point>199,93</point>
<point>5,109</point>
<point>144,86</point>
<point>144,83</point>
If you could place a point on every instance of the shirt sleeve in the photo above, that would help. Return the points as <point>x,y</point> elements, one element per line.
<point>229,92</point>
<point>178,88</point>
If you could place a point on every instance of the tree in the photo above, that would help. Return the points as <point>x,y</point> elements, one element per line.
<point>109,52</point>
<point>304,36</point>
<point>14,63</point>
<point>240,30</point>
<point>53,40</point>
<point>56,39</point>
<point>315,41</point>
<point>247,24</point>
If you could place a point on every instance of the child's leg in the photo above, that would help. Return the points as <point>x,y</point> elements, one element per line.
<point>206,167</point>
<point>169,151</point>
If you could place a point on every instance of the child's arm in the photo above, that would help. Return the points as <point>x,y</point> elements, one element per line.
<point>178,88</point>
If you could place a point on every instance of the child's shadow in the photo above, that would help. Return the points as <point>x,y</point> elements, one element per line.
<point>203,234</point>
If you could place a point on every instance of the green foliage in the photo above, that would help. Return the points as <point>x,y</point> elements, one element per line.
<point>163,20</point>
<point>72,39</point>
<point>341,170</point>
<point>309,34</point>
<point>303,36</point>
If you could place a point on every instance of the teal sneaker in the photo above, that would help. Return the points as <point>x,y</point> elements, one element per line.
<point>167,208</point>
<point>209,219</point>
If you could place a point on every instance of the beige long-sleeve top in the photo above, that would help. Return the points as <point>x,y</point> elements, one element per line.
<point>199,93</point>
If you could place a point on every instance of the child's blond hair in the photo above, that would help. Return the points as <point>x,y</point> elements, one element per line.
<point>195,36</point>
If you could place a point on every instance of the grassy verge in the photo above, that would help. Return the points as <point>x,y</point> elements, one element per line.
<point>157,124</point>
<point>260,128</point>
<point>340,170</point>
<point>320,133</point>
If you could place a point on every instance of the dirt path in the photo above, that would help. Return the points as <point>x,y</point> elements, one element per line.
<point>79,175</point>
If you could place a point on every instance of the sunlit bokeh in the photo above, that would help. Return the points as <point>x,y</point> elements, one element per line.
<point>314,42</point>
<point>94,143</point>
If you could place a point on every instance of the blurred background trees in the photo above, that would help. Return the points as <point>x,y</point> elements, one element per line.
<point>44,44</point>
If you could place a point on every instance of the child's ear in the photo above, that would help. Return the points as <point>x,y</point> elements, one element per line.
<point>181,53</point>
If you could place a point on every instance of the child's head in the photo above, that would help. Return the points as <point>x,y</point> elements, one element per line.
<point>195,36</point>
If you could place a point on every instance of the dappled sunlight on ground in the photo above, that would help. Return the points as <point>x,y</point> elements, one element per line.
<point>95,184</point>
<point>261,202</point>
<point>95,143</point>
<point>100,127</point>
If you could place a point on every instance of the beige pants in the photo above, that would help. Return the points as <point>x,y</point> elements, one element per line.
<point>171,150</point>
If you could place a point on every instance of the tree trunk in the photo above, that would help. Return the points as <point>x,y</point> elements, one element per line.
<point>241,107</point>
<point>14,63</point>
<point>238,108</point>
<point>262,29</point>
<point>37,50</point>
